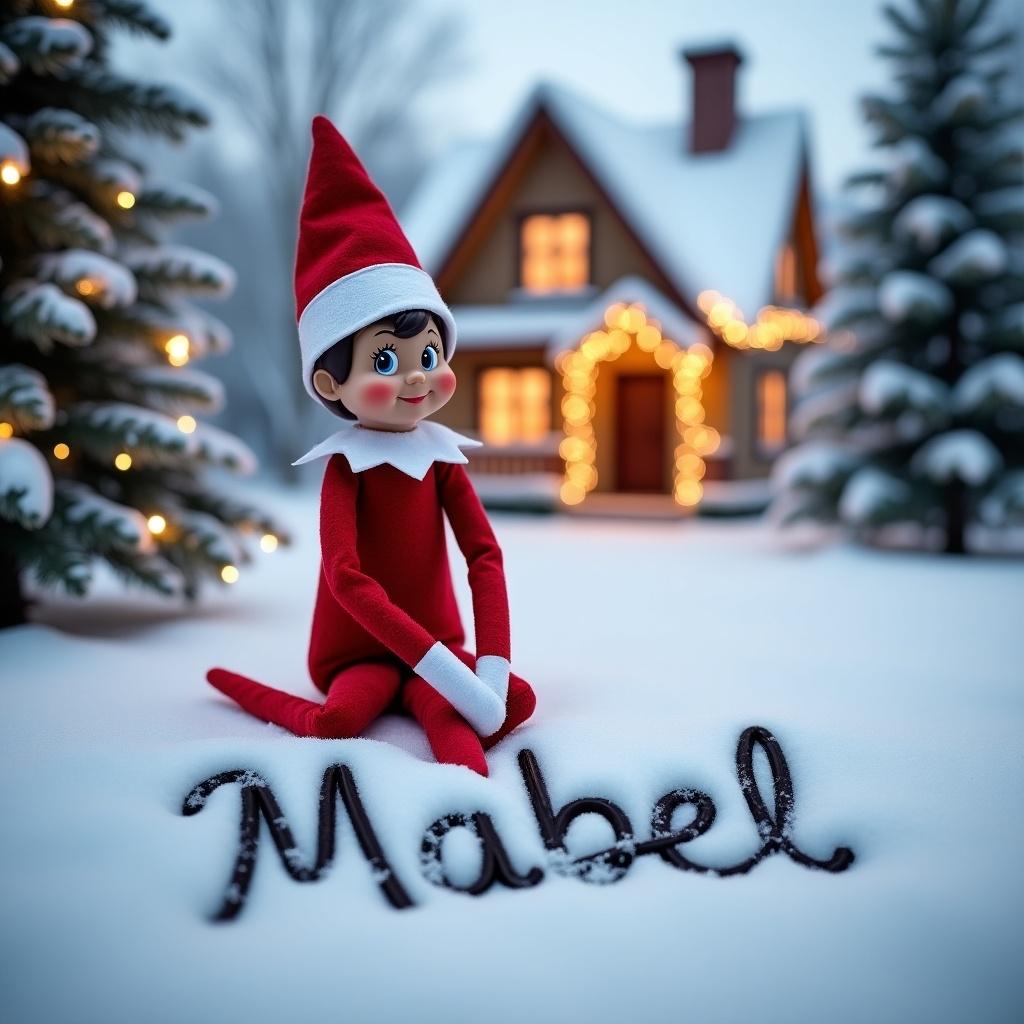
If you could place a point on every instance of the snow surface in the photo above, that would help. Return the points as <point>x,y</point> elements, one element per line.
<point>891,681</point>
<point>712,220</point>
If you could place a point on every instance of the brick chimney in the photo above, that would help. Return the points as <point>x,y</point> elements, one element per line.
<point>714,95</point>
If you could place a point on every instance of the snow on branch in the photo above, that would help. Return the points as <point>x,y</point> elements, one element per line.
<point>905,295</point>
<point>236,514</point>
<point>114,176</point>
<point>177,201</point>
<point>964,455</point>
<point>13,149</point>
<point>49,46</point>
<point>26,484</point>
<point>25,399</point>
<point>96,278</point>
<point>105,97</point>
<point>872,497</point>
<point>136,16</point>
<point>61,136</point>
<point>931,220</point>
<point>915,167</point>
<point>1002,208</point>
<point>991,386</point>
<point>58,220</point>
<point>99,524</point>
<point>813,465</point>
<point>975,257</point>
<point>220,448</point>
<point>43,314</point>
<point>172,391</point>
<point>208,538</point>
<point>173,270</point>
<point>844,306</point>
<point>1004,504</point>
<point>889,388</point>
<point>832,411</point>
<point>961,100</point>
<point>104,428</point>
<point>9,64</point>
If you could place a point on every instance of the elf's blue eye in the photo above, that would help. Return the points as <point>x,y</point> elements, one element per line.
<point>428,360</point>
<point>385,362</point>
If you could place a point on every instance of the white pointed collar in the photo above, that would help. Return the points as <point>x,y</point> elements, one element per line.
<point>411,451</point>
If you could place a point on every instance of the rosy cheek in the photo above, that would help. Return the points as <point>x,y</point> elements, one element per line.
<point>446,383</point>
<point>377,394</point>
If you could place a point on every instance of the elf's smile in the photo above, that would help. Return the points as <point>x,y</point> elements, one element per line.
<point>416,400</point>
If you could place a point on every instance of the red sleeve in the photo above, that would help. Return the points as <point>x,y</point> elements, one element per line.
<point>360,595</point>
<point>483,559</point>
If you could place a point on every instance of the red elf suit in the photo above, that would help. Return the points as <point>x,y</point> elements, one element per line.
<point>386,628</point>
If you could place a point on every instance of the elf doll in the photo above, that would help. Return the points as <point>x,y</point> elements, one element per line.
<point>376,341</point>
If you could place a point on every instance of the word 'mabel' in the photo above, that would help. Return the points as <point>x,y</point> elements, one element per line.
<point>604,866</point>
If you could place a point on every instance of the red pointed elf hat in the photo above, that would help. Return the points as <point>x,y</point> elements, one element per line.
<point>353,265</point>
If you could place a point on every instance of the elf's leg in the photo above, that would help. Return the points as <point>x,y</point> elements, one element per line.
<point>450,736</point>
<point>518,707</point>
<point>357,695</point>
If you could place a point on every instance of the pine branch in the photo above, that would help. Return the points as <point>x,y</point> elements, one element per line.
<point>107,98</point>
<point>61,136</point>
<point>25,400</point>
<point>135,16</point>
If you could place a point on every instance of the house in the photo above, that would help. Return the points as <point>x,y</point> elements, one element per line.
<point>629,296</point>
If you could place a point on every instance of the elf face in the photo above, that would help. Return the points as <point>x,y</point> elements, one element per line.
<point>394,382</point>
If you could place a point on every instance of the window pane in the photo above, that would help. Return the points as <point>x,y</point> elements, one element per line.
<point>555,252</point>
<point>497,395</point>
<point>771,401</point>
<point>534,403</point>
<point>515,404</point>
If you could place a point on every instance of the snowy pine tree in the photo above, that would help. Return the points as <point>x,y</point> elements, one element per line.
<point>914,412</point>
<point>101,455</point>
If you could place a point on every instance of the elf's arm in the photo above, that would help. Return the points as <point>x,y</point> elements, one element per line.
<point>369,605</point>
<point>486,574</point>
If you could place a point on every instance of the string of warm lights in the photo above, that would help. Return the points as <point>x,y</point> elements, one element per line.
<point>628,325</point>
<point>774,324</point>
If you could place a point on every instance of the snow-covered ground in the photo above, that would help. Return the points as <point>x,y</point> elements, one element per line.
<point>892,682</point>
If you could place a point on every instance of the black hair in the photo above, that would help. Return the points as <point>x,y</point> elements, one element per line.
<point>337,360</point>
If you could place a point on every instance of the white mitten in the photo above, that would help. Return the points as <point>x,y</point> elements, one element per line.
<point>494,670</point>
<point>475,700</point>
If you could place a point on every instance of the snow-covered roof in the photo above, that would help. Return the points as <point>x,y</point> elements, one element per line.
<point>675,324</point>
<point>516,325</point>
<point>711,220</point>
<point>559,325</point>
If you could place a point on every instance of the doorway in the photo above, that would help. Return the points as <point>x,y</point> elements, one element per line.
<point>640,432</point>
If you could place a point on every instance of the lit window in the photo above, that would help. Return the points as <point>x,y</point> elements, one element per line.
<point>555,252</point>
<point>771,409</point>
<point>785,272</point>
<point>515,405</point>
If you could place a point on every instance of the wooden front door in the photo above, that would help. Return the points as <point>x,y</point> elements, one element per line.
<point>640,432</point>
